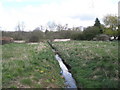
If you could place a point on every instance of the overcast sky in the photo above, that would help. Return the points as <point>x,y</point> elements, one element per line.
<point>38,12</point>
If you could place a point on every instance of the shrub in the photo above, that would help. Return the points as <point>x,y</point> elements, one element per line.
<point>34,39</point>
<point>101,37</point>
<point>90,32</point>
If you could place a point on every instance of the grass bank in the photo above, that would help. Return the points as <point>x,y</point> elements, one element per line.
<point>30,66</point>
<point>94,63</point>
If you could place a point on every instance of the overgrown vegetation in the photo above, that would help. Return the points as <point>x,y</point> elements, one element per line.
<point>94,64</point>
<point>30,66</point>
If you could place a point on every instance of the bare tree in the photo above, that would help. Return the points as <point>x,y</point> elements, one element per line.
<point>41,27</point>
<point>66,27</point>
<point>20,26</point>
<point>52,25</point>
<point>60,27</point>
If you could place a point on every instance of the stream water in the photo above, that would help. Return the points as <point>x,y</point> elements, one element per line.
<point>69,81</point>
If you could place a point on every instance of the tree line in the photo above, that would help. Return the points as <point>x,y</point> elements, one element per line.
<point>98,30</point>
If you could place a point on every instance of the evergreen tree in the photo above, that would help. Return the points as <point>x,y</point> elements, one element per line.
<point>98,24</point>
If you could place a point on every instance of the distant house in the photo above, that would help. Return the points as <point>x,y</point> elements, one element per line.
<point>5,40</point>
<point>61,40</point>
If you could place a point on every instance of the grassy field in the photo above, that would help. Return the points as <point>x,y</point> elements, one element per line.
<point>30,66</point>
<point>94,63</point>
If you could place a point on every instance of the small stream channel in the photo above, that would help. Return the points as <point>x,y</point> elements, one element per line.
<point>69,81</point>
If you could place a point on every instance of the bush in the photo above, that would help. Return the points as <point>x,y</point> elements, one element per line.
<point>34,39</point>
<point>90,32</point>
<point>101,37</point>
<point>78,36</point>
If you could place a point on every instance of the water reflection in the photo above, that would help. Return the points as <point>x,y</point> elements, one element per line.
<point>69,81</point>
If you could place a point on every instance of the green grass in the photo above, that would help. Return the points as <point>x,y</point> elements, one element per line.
<point>30,66</point>
<point>94,63</point>
<point>26,81</point>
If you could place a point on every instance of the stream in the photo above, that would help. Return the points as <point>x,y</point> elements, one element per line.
<point>69,81</point>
